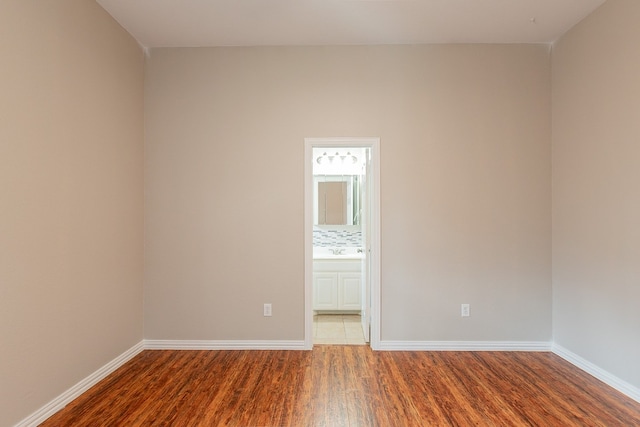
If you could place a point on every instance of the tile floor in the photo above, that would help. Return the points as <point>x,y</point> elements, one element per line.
<point>337,329</point>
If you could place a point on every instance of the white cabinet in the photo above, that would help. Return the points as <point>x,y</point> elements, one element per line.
<point>337,286</point>
<point>325,291</point>
<point>349,291</point>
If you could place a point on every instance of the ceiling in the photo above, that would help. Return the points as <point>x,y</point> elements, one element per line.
<point>194,23</point>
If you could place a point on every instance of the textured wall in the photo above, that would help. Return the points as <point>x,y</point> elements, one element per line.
<point>465,186</point>
<point>71,203</point>
<point>596,201</point>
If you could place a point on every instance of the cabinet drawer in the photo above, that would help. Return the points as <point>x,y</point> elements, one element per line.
<point>337,265</point>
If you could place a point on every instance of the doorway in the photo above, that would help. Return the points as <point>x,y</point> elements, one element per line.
<point>342,238</point>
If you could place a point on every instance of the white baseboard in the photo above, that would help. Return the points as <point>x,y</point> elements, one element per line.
<point>464,346</point>
<point>223,345</point>
<point>65,398</point>
<point>595,371</point>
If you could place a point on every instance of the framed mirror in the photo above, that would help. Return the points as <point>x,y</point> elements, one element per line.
<point>336,200</point>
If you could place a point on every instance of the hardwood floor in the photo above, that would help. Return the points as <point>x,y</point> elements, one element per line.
<point>348,386</point>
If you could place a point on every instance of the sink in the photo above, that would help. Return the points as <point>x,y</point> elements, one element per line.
<point>337,253</point>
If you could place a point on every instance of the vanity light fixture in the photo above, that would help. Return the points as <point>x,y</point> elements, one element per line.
<point>344,158</point>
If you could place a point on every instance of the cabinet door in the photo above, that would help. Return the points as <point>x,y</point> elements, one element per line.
<point>325,291</point>
<point>350,290</point>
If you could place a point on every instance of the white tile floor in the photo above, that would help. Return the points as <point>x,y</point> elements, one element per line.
<point>337,329</point>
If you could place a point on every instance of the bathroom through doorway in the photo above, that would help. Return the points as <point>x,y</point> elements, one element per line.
<point>341,241</point>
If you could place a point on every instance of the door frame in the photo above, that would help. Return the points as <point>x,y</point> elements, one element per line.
<point>372,143</point>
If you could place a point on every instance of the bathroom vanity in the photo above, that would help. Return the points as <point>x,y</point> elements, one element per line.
<point>337,283</point>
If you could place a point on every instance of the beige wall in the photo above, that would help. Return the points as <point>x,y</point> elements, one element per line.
<point>71,147</point>
<point>596,196</point>
<point>465,186</point>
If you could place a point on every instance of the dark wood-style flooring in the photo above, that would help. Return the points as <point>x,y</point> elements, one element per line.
<point>348,386</point>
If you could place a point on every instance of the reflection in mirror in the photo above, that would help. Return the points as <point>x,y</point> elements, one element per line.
<point>337,200</point>
<point>332,206</point>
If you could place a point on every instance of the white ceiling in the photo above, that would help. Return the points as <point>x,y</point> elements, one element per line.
<point>173,23</point>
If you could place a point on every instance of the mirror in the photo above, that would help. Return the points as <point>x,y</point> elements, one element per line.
<point>336,200</point>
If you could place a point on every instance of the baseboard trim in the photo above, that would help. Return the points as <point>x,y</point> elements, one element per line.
<point>65,398</point>
<point>597,372</point>
<point>224,345</point>
<point>464,346</point>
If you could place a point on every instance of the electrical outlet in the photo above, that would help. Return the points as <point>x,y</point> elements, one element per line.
<point>465,310</point>
<point>267,310</point>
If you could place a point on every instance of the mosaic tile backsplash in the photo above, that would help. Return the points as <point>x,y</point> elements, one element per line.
<point>337,238</point>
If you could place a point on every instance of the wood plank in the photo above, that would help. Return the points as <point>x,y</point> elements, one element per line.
<point>348,386</point>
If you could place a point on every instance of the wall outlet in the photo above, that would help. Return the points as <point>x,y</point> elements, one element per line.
<point>267,310</point>
<point>465,310</point>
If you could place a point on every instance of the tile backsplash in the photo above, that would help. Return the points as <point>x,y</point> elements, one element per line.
<point>341,238</point>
